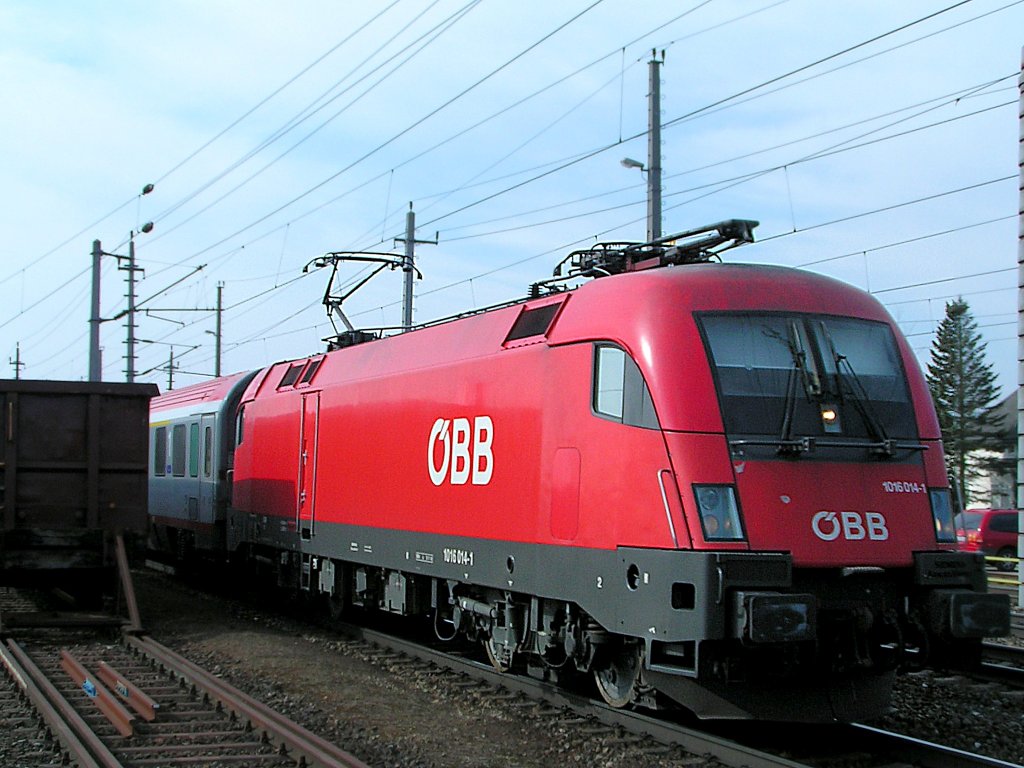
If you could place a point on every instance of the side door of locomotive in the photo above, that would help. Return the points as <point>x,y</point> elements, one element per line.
<point>305,507</point>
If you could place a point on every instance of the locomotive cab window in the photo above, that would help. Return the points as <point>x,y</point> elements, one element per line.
<point>619,390</point>
<point>785,376</point>
<point>160,451</point>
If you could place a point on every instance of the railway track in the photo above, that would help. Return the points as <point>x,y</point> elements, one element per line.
<point>733,744</point>
<point>129,701</point>
<point>1002,664</point>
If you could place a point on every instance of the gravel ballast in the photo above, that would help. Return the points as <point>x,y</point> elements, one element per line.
<point>398,715</point>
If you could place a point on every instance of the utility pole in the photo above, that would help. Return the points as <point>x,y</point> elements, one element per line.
<point>16,362</point>
<point>1020,334</point>
<point>131,269</point>
<point>218,310</point>
<point>653,166</point>
<point>170,371</point>
<point>654,148</point>
<point>409,264</point>
<point>217,335</point>
<point>95,363</point>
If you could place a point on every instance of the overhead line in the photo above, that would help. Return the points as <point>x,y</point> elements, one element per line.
<point>75,236</point>
<point>742,178</point>
<point>817,62</point>
<point>401,133</point>
<point>749,90</point>
<point>436,31</point>
<point>961,94</point>
<point>907,241</point>
<point>944,280</point>
<point>761,240</point>
<point>967,293</point>
<point>278,90</point>
<point>983,325</point>
<point>708,107</point>
<point>49,296</point>
<point>887,208</point>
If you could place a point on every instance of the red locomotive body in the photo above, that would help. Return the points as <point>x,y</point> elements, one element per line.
<point>718,483</point>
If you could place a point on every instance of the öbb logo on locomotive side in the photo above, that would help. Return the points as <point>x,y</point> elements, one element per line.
<point>463,452</point>
<point>852,526</point>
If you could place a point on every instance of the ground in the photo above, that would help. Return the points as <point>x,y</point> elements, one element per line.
<point>387,714</point>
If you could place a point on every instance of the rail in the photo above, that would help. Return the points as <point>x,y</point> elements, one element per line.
<point>151,706</point>
<point>304,747</point>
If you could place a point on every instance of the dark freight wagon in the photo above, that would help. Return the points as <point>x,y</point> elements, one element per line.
<point>72,476</point>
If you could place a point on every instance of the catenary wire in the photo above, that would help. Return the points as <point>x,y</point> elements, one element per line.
<point>420,44</point>
<point>398,135</point>
<point>274,93</point>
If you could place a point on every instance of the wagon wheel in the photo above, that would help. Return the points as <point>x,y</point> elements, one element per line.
<point>618,681</point>
<point>499,655</point>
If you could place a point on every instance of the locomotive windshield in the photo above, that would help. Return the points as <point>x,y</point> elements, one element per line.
<point>786,377</point>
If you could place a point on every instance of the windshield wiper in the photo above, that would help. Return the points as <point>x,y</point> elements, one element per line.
<point>798,445</point>
<point>812,388</point>
<point>884,445</point>
<point>787,414</point>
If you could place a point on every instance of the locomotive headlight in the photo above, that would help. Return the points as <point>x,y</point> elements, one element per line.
<point>942,514</point>
<point>830,419</point>
<point>719,512</point>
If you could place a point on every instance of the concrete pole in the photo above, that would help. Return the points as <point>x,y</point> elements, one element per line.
<point>129,343</point>
<point>95,363</point>
<point>16,362</point>
<point>654,149</point>
<point>220,310</point>
<point>1020,332</point>
<point>408,266</point>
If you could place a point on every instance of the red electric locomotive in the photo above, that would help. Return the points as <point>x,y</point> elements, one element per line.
<point>720,484</point>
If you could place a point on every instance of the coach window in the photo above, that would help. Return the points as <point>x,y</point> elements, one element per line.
<point>208,452</point>
<point>178,446</point>
<point>193,450</point>
<point>620,392</point>
<point>160,451</point>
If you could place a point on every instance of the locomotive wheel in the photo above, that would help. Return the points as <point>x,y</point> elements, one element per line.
<point>619,681</point>
<point>499,655</point>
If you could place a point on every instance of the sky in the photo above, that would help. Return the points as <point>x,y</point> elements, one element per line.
<point>874,142</point>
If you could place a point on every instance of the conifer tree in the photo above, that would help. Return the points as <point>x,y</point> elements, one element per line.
<point>963,387</point>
